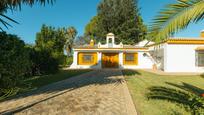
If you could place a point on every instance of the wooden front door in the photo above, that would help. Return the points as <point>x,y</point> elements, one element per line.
<point>110,60</point>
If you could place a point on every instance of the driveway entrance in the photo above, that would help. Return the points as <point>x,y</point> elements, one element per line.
<point>100,92</point>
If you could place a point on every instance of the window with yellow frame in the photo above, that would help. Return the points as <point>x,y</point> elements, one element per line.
<point>130,58</point>
<point>87,58</point>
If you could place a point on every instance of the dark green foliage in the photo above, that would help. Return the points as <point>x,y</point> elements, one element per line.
<point>14,62</point>
<point>120,17</point>
<point>69,61</point>
<point>43,62</point>
<point>55,41</point>
<point>52,41</point>
<point>18,61</point>
<point>48,53</point>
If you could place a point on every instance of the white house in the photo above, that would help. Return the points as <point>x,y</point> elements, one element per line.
<point>172,55</point>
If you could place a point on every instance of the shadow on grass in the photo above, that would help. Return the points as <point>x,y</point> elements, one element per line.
<point>97,77</point>
<point>130,72</point>
<point>185,95</point>
<point>202,75</point>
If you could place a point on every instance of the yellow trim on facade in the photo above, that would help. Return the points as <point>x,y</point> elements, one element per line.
<point>185,41</point>
<point>109,50</point>
<point>94,58</point>
<point>179,41</point>
<point>145,48</point>
<point>134,62</point>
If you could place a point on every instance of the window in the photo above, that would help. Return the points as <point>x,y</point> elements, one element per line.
<point>87,58</point>
<point>110,42</point>
<point>129,57</point>
<point>200,58</point>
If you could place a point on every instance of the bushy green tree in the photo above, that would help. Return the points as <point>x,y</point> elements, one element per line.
<point>43,62</point>
<point>55,41</point>
<point>51,40</point>
<point>70,36</point>
<point>14,61</point>
<point>120,17</point>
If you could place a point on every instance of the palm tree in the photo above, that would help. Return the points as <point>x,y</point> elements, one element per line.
<point>16,4</point>
<point>70,36</point>
<point>176,17</point>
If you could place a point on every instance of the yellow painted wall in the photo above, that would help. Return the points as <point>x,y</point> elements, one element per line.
<point>202,34</point>
<point>93,60</point>
<point>135,62</point>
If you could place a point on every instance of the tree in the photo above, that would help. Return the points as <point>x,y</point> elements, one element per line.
<point>176,17</point>
<point>120,17</point>
<point>14,62</point>
<point>51,40</point>
<point>91,28</point>
<point>43,62</point>
<point>55,41</point>
<point>81,40</point>
<point>15,4</point>
<point>70,36</point>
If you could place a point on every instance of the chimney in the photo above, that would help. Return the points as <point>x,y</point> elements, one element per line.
<point>202,34</point>
<point>91,43</point>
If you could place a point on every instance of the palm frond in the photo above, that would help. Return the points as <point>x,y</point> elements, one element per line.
<point>176,17</point>
<point>18,3</point>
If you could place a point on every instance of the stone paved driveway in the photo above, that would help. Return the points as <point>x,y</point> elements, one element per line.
<point>100,92</point>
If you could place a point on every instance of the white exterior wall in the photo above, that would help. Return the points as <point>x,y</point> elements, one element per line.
<point>157,54</point>
<point>144,62</point>
<point>120,59</point>
<point>75,59</point>
<point>181,58</point>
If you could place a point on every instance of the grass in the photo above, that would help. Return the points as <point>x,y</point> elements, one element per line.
<point>36,82</point>
<point>39,81</point>
<point>141,83</point>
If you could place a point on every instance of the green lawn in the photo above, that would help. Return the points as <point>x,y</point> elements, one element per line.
<point>140,82</point>
<point>39,81</point>
<point>36,82</point>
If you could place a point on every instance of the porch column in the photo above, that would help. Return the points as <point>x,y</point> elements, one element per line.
<point>75,59</point>
<point>120,59</point>
<point>99,59</point>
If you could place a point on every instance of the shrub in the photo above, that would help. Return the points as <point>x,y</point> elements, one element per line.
<point>14,61</point>
<point>43,62</point>
<point>69,61</point>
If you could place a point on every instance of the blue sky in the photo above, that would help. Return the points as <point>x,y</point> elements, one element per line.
<point>78,13</point>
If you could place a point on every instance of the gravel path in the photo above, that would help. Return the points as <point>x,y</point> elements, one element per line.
<point>100,92</point>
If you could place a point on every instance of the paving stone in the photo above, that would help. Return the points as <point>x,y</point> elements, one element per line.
<point>100,92</point>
